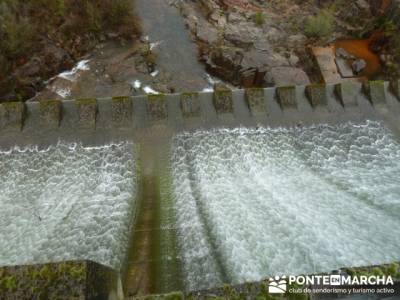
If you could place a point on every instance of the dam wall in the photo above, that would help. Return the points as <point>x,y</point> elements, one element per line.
<point>95,121</point>
<point>153,263</point>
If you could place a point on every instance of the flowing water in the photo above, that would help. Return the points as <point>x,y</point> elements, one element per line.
<point>251,203</point>
<point>176,53</point>
<point>66,202</point>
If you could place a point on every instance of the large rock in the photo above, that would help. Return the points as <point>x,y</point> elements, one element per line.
<point>358,65</point>
<point>295,41</point>
<point>238,37</point>
<point>242,34</point>
<point>207,33</point>
<point>224,62</point>
<point>280,76</point>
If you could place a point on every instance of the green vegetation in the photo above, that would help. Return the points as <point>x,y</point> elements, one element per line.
<point>27,25</point>
<point>259,18</point>
<point>321,25</point>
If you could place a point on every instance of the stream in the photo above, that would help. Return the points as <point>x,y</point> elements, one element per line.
<point>118,69</point>
<point>170,41</point>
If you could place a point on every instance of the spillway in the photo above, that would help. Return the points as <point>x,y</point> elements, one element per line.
<point>66,202</point>
<point>191,191</point>
<point>253,203</point>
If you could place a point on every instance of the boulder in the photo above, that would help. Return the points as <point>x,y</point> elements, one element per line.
<point>297,40</point>
<point>280,76</point>
<point>358,65</point>
<point>206,33</point>
<point>238,36</point>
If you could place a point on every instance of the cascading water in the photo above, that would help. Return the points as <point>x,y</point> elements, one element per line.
<point>251,203</point>
<point>66,202</point>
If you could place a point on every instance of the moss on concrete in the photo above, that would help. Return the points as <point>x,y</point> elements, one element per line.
<point>50,113</point>
<point>395,88</point>
<point>174,296</point>
<point>223,101</point>
<point>87,111</point>
<point>376,91</point>
<point>259,290</point>
<point>121,111</point>
<point>256,100</point>
<point>157,107</point>
<point>317,95</point>
<point>347,93</point>
<point>287,97</point>
<point>12,115</point>
<point>392,269</point>
<point>190,105</point>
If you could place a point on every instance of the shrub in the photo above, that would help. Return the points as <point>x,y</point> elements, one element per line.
<point>24,23</point>
<point>15,34</point>
<point>320,26</point>
<point>259,18</point>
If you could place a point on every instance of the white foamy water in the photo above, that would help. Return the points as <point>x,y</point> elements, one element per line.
<point>73,74</point>
<point>66,202</point>
<point>252,203</point>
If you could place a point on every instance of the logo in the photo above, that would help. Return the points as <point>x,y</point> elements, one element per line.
<point>335,279</point>
<point>277,285</point>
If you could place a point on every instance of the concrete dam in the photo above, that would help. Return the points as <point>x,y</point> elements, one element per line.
<point>131,196</point>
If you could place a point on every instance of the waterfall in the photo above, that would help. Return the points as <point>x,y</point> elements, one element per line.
<point>253,203</point>
<point>66,202</point>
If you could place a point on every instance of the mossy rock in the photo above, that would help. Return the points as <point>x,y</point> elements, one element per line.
<point>50,113</point>
<point>317,95</point>
<point>121,111</point>
<point>255,99</point>
<point>287,97</point>
<point>223,101</point>
<point>12,115</point>
<point>87,112</point>
<point>157,107</point>
<point>190,105</point>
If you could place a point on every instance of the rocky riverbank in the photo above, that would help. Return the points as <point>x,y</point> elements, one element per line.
<point>39,39</point>
<point>265,43</point>
<point>244,43</point>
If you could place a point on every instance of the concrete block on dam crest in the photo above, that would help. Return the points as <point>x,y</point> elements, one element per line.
<point>375,91</point>
<point>12,115</point>
<point>50,113</point>
<point>256,101</point>
<point>395,88</point>
<point>317,95</point>
<point>121,111</point>
<point>157,108</point>
<point>87,112</point>
<point>223,102</point>
<point>190,105</point>
<point>287,97</point>
<point>347,93</point>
